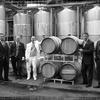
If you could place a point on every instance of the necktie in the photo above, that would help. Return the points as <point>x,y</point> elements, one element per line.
<point>84,43</point>
<point>33,51</point>
<point>17,47</point>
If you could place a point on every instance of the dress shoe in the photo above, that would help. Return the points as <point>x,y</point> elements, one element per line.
<point>1,80</point>
<point>98,86</point>
<point>7,80</point>
<point>35,78</point>
<point>88,85</point>
<point>84,83</point>
<point>28,78</point>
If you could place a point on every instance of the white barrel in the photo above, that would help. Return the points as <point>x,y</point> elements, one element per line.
<point>66,23</point>
<point>22,26</point>
<point>2,20</point>
<point>92,23</point>
<point>51,45</point>
<point>42,24</point>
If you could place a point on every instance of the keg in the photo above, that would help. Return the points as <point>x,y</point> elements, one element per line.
<point>70,44</point>
<point>50,45</point>
<point>50,69</point>
<point>70,70</point>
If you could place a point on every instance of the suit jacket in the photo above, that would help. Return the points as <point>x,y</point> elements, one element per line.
<point>88,51</point>
<point>4,51</point>
<point>28,49</point>
<point>97,51</point>
<point>21,50</point>
<point>1,51</point>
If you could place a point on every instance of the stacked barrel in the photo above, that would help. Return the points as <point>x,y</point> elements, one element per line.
<point>67,70</point>
<point>50,46</point>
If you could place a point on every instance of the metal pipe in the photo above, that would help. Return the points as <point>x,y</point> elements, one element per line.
<point>51,20</point>
<point>78,20</point>
<point>63,4</point>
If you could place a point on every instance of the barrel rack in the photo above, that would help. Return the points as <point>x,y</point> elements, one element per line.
<point>61,81</point>
<point>60,58</point>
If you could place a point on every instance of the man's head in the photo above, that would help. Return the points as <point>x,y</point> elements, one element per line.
<point>33,39</point>
<point>85,36</point>
<point>17,38</point>
<point>2,38</point>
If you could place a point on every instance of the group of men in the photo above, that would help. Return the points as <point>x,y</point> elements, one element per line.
<point>17,52</point>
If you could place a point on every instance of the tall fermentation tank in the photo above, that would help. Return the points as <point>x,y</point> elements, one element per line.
<point>2,20</point>
<point>22,26</point>
<point>42,24</point>
<point>92,23</point>
<point>66,23</point>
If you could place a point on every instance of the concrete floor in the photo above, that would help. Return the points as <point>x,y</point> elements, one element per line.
<point>40,90</point>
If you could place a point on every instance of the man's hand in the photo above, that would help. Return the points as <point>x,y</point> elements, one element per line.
<point>23,58</point>
<point>81,50</point>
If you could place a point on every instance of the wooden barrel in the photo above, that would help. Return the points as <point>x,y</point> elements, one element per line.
<point>70,70</point>
<point>50,45</point>
<point>50,69</point>
<point>70,44</point>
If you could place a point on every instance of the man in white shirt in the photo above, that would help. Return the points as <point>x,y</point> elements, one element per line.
<point>32,53</point>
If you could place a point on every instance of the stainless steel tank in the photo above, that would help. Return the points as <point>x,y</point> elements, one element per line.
<point>2,20</point>
<point>42,24</point>
<point>22,26</point>
<point>92,23</point>
<point>66,25</point>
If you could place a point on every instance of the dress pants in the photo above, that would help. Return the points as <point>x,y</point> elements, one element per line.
<point>19,67</point>
<point>6,68</point>
<point>98,70</point>
<point>87,73</point>
<point>1,68</point>
<point>13,61</point>
<point>32,61</point>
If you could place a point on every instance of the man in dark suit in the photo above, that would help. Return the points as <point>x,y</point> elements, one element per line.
<point>97,60</point>
<point>17,51</point>
<point>1,58</point>
<point>87,60</point>
<point>4,58</point>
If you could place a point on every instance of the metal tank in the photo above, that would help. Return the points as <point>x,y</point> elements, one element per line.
<point>42,24</point>
<point>2,20</point>
<point>66,25</point>
<point>22,26</point>
<point>92,23</point>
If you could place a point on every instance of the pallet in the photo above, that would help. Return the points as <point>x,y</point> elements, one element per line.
<point>59,80</point>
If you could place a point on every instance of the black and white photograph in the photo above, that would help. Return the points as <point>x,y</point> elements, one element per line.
<point>49,49</point>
